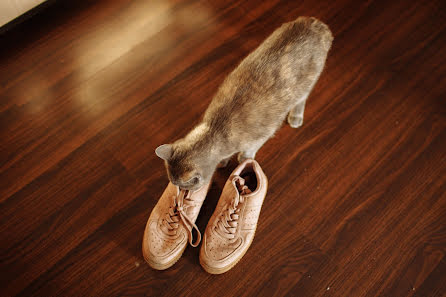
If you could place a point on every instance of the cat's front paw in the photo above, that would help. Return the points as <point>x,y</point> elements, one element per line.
<point>223,163</point>
<point>242,156</point>
<point>295,121</point>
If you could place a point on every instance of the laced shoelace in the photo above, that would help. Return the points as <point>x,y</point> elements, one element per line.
<point>228,221</point>
<point>177,214</point>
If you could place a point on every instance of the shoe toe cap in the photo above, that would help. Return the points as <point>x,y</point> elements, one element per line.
<point>160,250</point>
<point>218,252</point>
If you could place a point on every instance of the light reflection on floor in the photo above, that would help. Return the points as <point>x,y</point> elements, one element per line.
<point>141,21</point>
<point>88,65</point>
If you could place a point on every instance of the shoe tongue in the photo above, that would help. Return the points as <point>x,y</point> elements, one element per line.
<point>241,187</point>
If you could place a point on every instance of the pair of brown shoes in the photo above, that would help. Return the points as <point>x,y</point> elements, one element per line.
<point>230,230</point>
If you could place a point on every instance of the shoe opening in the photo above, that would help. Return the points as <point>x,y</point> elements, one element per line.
<point>250,177</point>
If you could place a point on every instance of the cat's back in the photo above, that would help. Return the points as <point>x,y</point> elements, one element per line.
<point>297,44</point>
<point>291,57</point>
<point>306,32</point>
<point>265,85</point>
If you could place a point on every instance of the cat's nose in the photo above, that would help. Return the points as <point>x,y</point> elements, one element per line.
<point>179,184</point>
<point>176,183</point>
<point>186,186</point>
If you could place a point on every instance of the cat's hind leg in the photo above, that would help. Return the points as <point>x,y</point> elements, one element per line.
<point>296,114</point>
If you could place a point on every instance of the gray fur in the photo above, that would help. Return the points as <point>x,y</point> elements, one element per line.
<point>272,82</point>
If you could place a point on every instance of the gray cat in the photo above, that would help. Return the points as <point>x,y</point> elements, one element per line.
<point>271,83</point>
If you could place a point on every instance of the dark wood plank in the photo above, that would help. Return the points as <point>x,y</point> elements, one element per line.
<point>357,196</point>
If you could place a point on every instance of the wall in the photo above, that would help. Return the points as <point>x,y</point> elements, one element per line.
<point>10,9</point>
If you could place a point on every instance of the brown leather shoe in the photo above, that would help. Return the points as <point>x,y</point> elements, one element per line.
<point>231,228</point>
<point>170,226</point>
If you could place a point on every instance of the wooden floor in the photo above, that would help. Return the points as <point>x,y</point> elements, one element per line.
<point>357,196</point>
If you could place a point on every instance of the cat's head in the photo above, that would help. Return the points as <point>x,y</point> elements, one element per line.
<point>187,167</point>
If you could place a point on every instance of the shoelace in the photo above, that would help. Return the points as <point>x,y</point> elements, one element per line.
<point>177,213</point>
<point>227,223</point>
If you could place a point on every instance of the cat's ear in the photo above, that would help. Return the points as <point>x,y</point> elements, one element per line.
<point>164,151</point>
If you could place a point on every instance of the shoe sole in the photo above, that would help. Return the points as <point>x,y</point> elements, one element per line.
<point>163,266</point>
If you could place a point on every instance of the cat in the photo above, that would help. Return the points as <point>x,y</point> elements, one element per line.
<point>268,86</point>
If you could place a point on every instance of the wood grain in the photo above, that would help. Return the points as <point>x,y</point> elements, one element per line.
<point>357,196</point>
